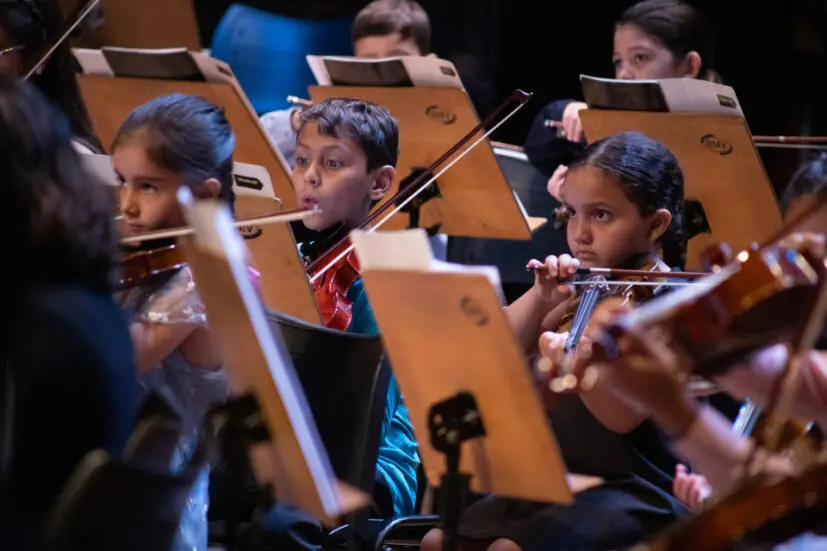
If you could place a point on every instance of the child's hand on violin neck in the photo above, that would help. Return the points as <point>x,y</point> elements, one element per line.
<point>548,282</point>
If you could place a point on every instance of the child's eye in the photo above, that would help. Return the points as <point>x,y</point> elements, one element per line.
<point>301,161</point>
<point>602,215</point>
<point>570,212</point>
<point>147,187</point>
<point>333,164</point>
<point>641,58</point>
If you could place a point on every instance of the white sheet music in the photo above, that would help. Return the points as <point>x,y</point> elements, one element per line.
<point>686,95</point>
<point>389,71</point>
<point>410,250</point>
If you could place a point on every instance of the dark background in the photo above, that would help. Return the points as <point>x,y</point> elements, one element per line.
<point>772,52</point>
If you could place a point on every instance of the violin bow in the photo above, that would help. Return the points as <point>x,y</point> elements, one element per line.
<point>424,180</point>
<point>282,217</point>
<point>49,49</point>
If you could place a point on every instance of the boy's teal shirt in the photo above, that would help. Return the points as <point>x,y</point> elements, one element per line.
<point>398,452</point>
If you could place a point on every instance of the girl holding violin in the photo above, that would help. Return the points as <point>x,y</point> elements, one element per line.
<point>26,26</point>
<point>67,375</point>
<point>170,142</point>
<point>653,39</point>
<point>623,202</point>
<point>652,375</point>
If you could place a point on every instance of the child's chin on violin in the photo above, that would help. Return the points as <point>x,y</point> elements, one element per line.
<point>617,215</point>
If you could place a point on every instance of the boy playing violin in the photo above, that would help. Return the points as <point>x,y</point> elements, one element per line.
<point>383,28</point>
<point>346,154</point>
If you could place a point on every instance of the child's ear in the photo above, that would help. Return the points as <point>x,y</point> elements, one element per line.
<point>210,189</point>
<point>382,181</point>
<point>660,223</point>
<point>692,65</point>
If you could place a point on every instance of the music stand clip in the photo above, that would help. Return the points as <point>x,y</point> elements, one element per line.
<point>413,207</point>
<point>232,428</point>
<point>452,422</point>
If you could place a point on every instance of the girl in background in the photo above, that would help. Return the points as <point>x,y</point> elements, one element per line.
<point>653,39</point>
<point>170,142</point>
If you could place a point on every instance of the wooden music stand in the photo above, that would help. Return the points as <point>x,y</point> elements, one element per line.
<point>110,96</point>
<point>451,346</point>
<point>292,458</point>
<point>144,24</point>
<point>475,199</point>
<point>728,192</point>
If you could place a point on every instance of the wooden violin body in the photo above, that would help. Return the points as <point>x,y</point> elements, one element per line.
<point>758,299</point>
<point>759,512</point>
<point>332,287</point>
<point>140,266</point>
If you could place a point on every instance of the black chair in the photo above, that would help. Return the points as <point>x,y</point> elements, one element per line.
<point>345,380</point>
<point>134,503</point>
<point>508,255</point>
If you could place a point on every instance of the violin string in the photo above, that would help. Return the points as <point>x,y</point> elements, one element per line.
<point>421,189</point>
<point>641,283</point>
<point>583,312</point>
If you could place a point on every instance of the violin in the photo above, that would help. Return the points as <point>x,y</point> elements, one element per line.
<point>335,270</point>
<point>759,513</point>
<point>151,255</point>
<point>757,300</point>
<point>139,266</point>
<point>628,287</point>
<point>332,287</point>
